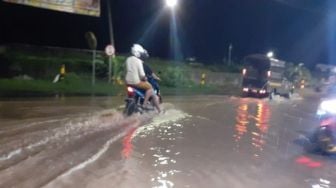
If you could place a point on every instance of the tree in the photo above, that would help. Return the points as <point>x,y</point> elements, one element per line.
<point>91,40</point>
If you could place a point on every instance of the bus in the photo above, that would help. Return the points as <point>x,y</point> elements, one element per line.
<point>263,76</point>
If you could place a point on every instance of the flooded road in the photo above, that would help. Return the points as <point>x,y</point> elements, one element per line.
<point>200,141</point>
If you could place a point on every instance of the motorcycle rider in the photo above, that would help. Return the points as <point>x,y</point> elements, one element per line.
<point>152,78</point>
<point>136,77</point>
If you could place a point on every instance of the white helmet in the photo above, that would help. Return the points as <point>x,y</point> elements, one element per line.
<point>138,51</point>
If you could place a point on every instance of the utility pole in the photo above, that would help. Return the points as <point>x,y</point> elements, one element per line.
<point>92,42</point>
<point>94,67</point>
<point>111,40</point>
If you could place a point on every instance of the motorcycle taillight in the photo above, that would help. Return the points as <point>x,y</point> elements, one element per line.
<point>130,91</point>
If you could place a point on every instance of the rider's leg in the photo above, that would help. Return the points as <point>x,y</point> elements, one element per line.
<point>156,103</point>
<point>148,94</point>
<point>149,91</point>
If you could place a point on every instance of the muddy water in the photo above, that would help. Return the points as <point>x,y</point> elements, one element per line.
<point>200,141</point>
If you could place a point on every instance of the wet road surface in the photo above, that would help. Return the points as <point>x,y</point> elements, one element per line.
<point>200,141</point>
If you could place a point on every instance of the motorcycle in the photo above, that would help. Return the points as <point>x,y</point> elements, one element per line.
<point>135,99</point>
<point>324,137</point>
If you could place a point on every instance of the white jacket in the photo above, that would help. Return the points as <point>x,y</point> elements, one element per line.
<point>134,70</point>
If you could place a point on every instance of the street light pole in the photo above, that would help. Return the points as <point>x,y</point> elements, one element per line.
<point>111,40</point>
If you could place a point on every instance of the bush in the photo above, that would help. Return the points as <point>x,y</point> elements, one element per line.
<point>174,77</point>
<point>72,78</point>
<point>4,67</point>
<point>225,68</point>
<point>119,66</point>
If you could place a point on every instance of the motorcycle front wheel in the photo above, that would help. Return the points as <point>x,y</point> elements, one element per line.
<point>326,141</point>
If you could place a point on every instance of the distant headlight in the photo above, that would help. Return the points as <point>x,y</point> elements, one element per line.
<point>262,91</point>
<point>327,107</point>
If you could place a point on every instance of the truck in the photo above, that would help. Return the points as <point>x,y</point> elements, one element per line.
<point>263,76</point>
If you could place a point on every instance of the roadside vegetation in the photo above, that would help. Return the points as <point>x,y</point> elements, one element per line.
<point>30,71</point>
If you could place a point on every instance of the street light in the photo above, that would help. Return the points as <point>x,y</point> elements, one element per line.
<point>174,40</point>
<point>171,3</point>
<point>270,54</point>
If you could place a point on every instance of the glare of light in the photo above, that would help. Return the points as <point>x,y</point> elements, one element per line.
<point>324,181</point>
<point>244,71</point>
<point>269,73</point>
<point>328,106</point>
<point>171,3</point>
<point>174,38</point>
<point>320,112</point>
<point>270,54</point>
<point>129,89</point>
<point>316,186</point>
<point>150,28</point>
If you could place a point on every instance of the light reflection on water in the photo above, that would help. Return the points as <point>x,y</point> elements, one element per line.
<point>164,162</point>
<point>164,156</point>
<point>252,123</point>
<point>320,183</point>
<point>310,164</point>
<point>127,144</point>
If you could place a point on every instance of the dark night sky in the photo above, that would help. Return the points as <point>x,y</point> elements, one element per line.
<point>295,29</point>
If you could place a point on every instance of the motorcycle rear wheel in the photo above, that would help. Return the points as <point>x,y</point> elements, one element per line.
<point>130,108</point>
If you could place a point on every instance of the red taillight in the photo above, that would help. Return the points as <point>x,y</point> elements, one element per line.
<point>244,72</point>
<point>130,89</point>
<point>269,73</point>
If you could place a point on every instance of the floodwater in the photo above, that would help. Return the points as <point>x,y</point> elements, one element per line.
<point>200,141</point>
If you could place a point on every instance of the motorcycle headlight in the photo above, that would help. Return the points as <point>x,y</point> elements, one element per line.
<point>327,106</point>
